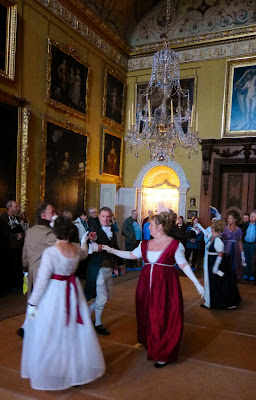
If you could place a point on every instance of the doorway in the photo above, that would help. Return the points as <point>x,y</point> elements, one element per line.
<point>160,187</point>
<point>238,189</point>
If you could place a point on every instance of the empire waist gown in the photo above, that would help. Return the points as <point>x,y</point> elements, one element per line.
<point>60,346</point>
<point>159,302</point>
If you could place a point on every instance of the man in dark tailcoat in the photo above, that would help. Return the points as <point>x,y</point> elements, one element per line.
<point>100,268</point>
<point>12,235</point>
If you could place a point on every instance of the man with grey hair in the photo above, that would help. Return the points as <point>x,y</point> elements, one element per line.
<point>93,220</point>
<point>12,235</point>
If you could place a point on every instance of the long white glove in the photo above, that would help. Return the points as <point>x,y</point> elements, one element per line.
<point>32,311</point>
<point>243,259</point>
<point>215,268</point>
<point>119,253</point>
<point>85,237</point>
<point>214,211</point>
<point>190,274</point>
<point>205,232</point>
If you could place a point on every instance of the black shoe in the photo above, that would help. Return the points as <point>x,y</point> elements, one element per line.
<point>157,365</point>
<point>102,330</point>
<point>203,306</point>
<point>20,332</point>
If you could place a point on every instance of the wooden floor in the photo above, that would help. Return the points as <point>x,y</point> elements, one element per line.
<point>217,356</point>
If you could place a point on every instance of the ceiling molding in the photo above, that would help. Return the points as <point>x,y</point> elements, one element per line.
<point>81,27</point>
<point>229,49</point>
<point>97,24</point>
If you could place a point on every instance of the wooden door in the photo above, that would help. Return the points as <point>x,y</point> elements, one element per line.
<point>238,189</point>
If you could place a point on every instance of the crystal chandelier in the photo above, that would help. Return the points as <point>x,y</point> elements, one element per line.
<point>160,129</point>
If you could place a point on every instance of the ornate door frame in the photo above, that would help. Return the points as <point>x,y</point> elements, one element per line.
<point>184,183</point>
<point>215,154</point>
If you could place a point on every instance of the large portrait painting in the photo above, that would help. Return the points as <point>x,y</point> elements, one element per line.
<point>68,80</point>
<point>64,166</point>
<point>187,84</point>
<point>113,99</point>
<point>112,154</point>
<point>8,28</point>
<point>14,116</point>
<point>240,96</point>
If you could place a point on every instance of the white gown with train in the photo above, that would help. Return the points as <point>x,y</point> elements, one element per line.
<point>57,353</point>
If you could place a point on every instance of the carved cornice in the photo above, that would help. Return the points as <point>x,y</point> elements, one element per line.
<point>96,23</point>
<point>81,27</point>
<point>226,44</point>
<point>231,48</point>
<point>243,33</point>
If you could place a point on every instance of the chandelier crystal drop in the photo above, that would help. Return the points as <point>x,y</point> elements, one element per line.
<point>162,128</point>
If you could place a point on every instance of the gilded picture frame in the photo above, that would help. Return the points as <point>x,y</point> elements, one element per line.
<point>68,79</point>
<point>192,202</point>
<point>187,83</point>
<point>15,113</point>
<point>112,154</point>
<point>8,31</point>
<point>191,214</point>
<point>239,104</point>
<point>114,98</point>
<point>64,165</point>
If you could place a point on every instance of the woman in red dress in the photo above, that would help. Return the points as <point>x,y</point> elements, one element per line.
<point>159,303</point>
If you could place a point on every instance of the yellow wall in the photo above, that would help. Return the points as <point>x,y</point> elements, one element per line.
<point>209,105</point>
<point>35,25</point>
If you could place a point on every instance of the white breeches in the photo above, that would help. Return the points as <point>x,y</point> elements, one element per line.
<point>103,287</point>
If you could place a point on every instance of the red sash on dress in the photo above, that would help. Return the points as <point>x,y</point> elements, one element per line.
<point>70,279</point>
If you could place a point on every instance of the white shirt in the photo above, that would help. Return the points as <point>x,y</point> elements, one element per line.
<point>108,231</point>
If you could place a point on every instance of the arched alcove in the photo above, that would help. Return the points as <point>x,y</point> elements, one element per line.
<point>161,185</point>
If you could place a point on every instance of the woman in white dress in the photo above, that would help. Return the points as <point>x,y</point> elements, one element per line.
<point>220,288</point>
<point>60,346</point>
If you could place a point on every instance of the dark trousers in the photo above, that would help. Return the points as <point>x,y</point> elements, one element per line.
<point>250,256</point>
<point>194,256</point>
<point>130,247</point>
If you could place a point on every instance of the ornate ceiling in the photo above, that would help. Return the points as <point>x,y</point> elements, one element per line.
<point>142,22</point>
<point>121,15</point>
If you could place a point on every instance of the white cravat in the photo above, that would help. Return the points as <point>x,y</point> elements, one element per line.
<point>108,231</point>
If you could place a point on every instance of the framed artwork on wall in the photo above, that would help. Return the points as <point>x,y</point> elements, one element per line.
<point>114,98</point>
<point>192,202</point>
<point>240,106</point>
<point>14,116</point>
<point>191,214</point>
<point>112,154</point>
<point>8,29</point>
<point>187,83</point>
<point>68,80</point>
<point>64,166</point>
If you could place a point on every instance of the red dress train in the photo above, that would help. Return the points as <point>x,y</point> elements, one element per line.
<point>159,309</point>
